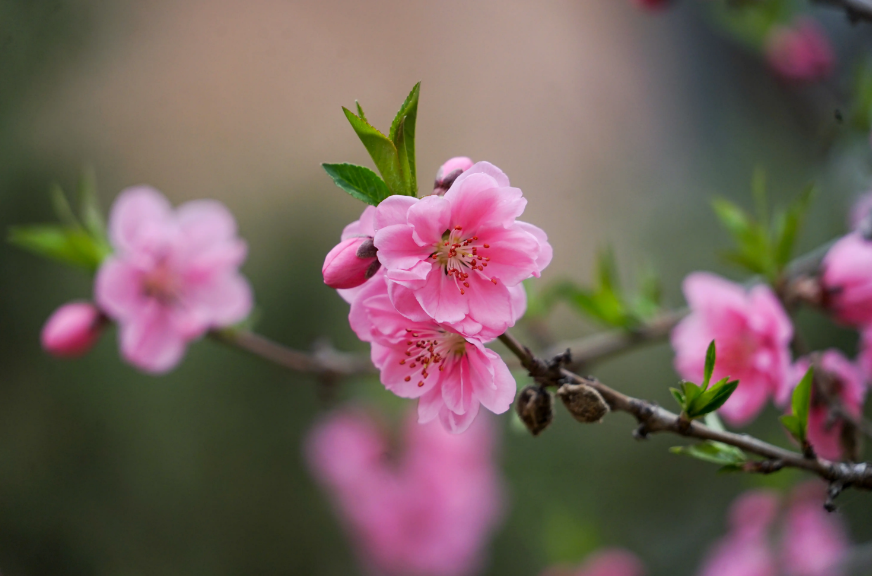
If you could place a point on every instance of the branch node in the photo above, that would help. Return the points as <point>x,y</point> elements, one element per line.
<point>833,490</point>
<point>641,431</point>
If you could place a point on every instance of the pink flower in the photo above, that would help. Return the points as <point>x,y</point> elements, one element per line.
<point>608,562</point>
<point>847,278</point>
<point>173,276</point>
<point>428,510</point>
<point>353,261</point>
<point>752,333</point>
<point>810,540</point>
<point>450,374</point>
<point>453,258</point>
<point>845,383</point>
<point>72,329</point>
<point>448,173</point>
<point>800,52</point>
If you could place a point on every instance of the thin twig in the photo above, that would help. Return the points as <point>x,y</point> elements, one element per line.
<point>653,419</point>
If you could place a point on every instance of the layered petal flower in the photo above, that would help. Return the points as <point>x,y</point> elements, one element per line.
<point>752,333</point>
<point>459,256</point>
<point>173,275</point>
<point>847,278</point>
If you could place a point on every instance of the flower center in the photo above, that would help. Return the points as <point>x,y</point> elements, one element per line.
<point>460,255</point>
<point>161,284</point>
<point>428,348</point>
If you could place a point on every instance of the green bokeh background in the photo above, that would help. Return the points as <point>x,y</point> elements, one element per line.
<point>618,125</point>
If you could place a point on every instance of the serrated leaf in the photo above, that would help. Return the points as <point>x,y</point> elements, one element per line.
<point>383,152</point>
<point>360,110</point>
<point>359,181</point>
<point>402,134</point>
<point>71,246</point>
<point>713,452</point>
<point>709,365</point>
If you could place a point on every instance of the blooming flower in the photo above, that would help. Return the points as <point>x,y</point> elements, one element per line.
<point>845,383</point>
<point>453,258</point>
<point>800,51</point>
<point>451,375</point>
<point>608,562</point>
<point>847,278</point>
<point>811,543</point>
<point>752,333</point>
<point>72,329</point>
<point>426,511</point>
<point>173,275</point>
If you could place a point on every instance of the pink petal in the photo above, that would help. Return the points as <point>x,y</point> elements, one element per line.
<point>458,391</point>
<point>489,304</point>
<point>429,219</point>
<point>545,252</point>
<point>137,209</point>
<point>392,211</point>
<point>118,288</point>
<point>457,423</point>
<point>397,248</point>
<point>441,298</point>
<point>498,176</point>
<point>224,301</point>
<point>203,222</point>
<point>363,227</point>
<point>150,341</point>
<point>477,202</point>
<point>430,404</point>
<point>497,392</point>
<point>512,254</point>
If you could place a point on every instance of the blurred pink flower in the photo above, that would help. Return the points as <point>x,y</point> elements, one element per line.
<point>448,173</point>
<point>453,258</point>
<point>608,562</point>
<point>801,51</point>
<point>173,275</point>
<point>845,383</point>
<point>429,510</point>
<point>810,540</point>
<point>72,329</point>
<point>847,278</point>
<point>752,334</point>
<point>449,374</point>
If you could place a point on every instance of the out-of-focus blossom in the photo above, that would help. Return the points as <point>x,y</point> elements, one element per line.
<point>448,173</point>
<point>173,275</point>
<point>429,510</point>
<point>72,329</point>
<point>805,541</point>
<point>752,333</point>
<point>800,51</point>
<point>652,5</point>
<point>844,383</point>
<point>454,258</point>
<point>847,279</point>
<point>451,375</point>
<point>608,562</point>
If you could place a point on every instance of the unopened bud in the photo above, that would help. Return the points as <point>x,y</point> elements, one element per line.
<point>583,402</point>
<point>72,329</point>
<point>351,263</point>
<point>535,406</point>
<point>800,51</point>
<point>448,173</point>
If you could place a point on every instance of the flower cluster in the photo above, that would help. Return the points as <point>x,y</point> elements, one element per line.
<point>432,280</point>
<point>173,275</point>
<point>428,511</point>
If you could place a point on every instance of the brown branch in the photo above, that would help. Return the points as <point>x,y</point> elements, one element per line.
<point>653,419</point>
<point>324,362</point>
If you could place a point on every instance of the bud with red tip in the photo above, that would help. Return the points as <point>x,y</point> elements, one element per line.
<point>72,329</point>
<point>448,173</point>
<point>800,52</point>
<point>351,263</point>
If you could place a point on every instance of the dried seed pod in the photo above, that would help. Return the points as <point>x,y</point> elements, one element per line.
<point>535,406</point>
<point>583,402</point>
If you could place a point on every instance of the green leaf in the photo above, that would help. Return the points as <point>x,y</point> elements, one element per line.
<point>679,397</point>
<point>62,207</point>
<point>713,399</point>
<point>89,206</point>
<point>402,134</point>
<point>709,364</point>
<point>69,245</point>
<point>733,218</point>
<point>800,402</point>
<point>713,452</point>
<point>360,110</point>
<point>793,425</point>
<point>607,273</point>
<point>359,181</point>
<point>691,392</point>
<point>787,224</point>
<point>383,153</point>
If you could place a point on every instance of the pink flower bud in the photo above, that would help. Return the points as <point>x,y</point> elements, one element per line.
<point>448,173</point>
<point>351,263</point>
<point>800,52</point>
<point>72,330</point>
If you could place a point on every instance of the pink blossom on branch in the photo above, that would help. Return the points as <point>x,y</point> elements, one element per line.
<point>800,51</point>
<point>428,510</point>
<point>455,258</point>
<point>451,375</point>
<point>752,333</point>
<point>845,384</point>
<point>173,275</point>
<point>847,279</point>
<point>72,330</point>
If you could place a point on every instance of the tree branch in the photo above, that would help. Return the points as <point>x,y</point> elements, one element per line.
<point>653,419</point>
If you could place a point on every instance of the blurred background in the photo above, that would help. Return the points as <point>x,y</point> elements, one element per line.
<point>619,126</point>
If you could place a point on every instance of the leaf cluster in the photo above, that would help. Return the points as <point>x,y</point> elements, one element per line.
<point>697,401</point>
<point>393,155</point>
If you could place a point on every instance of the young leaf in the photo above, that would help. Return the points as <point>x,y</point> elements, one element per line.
<point>360,110</point>
<point>793,425</point>
<point>714,398</point>
<point>402,134</point>
<point>360,182</point>
<point>709,365</point>
<point>714,452</point>
<point>383,153</point>
<point>71,246</point>
<point>89,206</point>
<point>679,397</point>
<point>787,225</point>
<point>800,402</point>
<point>62,207</point>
